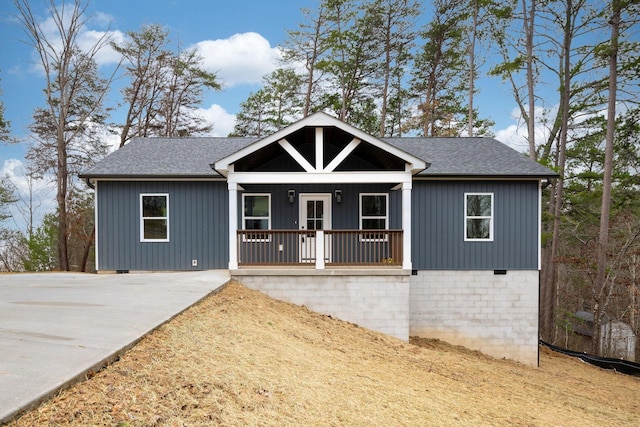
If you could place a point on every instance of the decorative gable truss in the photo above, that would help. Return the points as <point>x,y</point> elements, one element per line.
<point>319,143</point>
<point>322,163</point>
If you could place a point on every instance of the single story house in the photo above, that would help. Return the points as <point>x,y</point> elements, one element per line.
<point>434,237</point>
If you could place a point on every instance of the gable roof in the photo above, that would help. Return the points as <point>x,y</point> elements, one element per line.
<point>183,158</point>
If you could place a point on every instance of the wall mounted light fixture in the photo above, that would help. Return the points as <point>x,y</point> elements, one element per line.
<point>338,194</point>
<point>291,194</point>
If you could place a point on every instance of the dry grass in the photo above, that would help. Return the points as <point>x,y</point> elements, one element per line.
<point>241,358</point>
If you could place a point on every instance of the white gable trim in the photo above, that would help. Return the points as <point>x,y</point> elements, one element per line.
<point>320,177</point>
<point>318,120</point>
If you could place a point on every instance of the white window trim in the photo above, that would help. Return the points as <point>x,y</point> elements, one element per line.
<point>244,237</point>
<point>385,217</point>
<point>143,218</point>
<point>490,218</point>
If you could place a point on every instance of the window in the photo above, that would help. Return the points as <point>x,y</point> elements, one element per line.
<point>478,218</point>
<point>256,215</point>
<point>154,217</point>
<point>374,215</point>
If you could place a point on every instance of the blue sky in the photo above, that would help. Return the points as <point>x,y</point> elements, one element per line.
<point>225,25</point>
<point>238,40</point>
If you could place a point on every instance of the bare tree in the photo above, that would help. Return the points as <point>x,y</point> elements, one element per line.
<point>74,96</point>
<point>165,87</point>
<point>146,57</point>
<point>182,92</point>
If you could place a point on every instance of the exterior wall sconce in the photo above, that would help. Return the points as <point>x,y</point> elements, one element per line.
<point>291,194</point>
<point>338,194</point>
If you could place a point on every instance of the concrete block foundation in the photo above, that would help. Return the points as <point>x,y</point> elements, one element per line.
<point>493,313</point>
<point>377,300</point>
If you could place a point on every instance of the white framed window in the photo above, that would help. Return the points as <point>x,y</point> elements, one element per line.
<point>374,215</point>
<point>478,217</point>
<point>256,216</point>
<point>154,217</point>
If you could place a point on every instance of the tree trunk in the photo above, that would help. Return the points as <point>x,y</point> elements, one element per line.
<point>603,238</point>
<point>387,75</point>
<point>548,284</point>
<point>472,64</point>
<point>87,249</point>
<point>61,199</point>
<point>531,119</point>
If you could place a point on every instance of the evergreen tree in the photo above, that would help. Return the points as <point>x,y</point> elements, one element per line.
<point>275,106</point>
<point>252,120</point>
<point>5,128</point>
<point>439,76</point>
<point>397,36</point>
<point>353,60</point>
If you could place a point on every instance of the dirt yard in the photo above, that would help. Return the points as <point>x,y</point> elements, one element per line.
<point>240,358</point>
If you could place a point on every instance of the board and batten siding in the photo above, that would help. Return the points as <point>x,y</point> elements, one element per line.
<point>438,226</point>
<point>198,226</point>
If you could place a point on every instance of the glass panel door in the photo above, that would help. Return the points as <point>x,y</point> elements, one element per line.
<point>315,214</point>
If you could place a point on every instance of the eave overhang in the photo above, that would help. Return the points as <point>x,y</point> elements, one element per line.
<point>527,177</point>
<point>137,177</point>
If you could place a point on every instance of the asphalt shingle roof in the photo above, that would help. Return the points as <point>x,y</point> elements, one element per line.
<point>167,157</point>
<point>477,156</point>
<point>191,157</point>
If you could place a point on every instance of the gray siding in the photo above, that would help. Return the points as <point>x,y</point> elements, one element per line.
<point>198,215</point>
<point>438,226</point>
<point>198,224</point>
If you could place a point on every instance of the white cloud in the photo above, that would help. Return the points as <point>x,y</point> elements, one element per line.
<point>223,122</point>
<point>242,58</point>
<point>106,55</point>
<point>516,135</point>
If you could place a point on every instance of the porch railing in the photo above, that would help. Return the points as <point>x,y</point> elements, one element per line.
<point>342,248</point>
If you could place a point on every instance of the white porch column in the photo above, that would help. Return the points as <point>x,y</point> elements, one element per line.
<point>233,226</point>
<point>406,225</point>
<point>319,250</point>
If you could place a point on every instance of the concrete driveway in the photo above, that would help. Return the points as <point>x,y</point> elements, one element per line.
<point>56,327</point>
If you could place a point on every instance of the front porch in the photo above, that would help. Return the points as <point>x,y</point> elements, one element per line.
<point>319,186</point>
<point>339,248</point>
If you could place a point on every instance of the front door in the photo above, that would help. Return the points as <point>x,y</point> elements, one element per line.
<point>315,214</point>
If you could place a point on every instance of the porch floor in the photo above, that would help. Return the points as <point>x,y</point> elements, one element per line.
<point>329,271</point>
